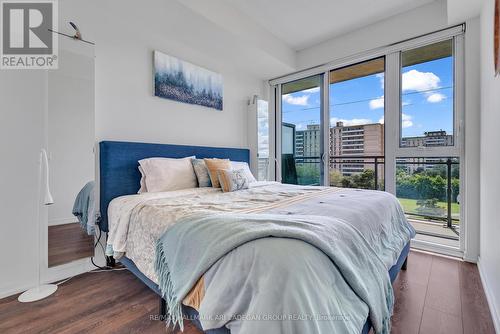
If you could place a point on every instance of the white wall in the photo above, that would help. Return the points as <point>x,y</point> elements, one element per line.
<point>125,106</point>
<point>22,109</point>
<point>490,160</point>
<point>125,33</point>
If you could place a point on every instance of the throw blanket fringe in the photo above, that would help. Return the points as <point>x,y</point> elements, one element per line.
<point>166,285</point>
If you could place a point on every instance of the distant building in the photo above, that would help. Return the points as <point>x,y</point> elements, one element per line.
<point>429,139</point>
<point>356,140</point>
<point>308,142</point>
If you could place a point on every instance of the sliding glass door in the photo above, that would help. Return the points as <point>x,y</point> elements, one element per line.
<point>389,122</point>
<point>356,128</point>
<point>301,131</point>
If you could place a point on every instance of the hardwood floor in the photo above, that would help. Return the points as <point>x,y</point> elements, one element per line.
<point>440,295</point>
<point>435,295</point>
<point>68,242</point>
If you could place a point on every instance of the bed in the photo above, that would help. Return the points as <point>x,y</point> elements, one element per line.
<point>119,178</point>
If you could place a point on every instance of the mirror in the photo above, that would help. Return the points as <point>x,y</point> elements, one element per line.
<point>71,138</point>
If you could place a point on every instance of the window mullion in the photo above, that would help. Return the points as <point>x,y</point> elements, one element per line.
<point>392,103</point>
<point>325,117</point>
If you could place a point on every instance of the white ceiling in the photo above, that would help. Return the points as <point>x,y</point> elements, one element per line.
<point>303,23</point>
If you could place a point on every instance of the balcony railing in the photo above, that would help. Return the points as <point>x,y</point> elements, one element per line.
<point>351,167</point>
<point>348,165</point>
<point>426,164</point>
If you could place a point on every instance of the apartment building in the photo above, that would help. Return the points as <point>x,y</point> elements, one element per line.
<point>358,141</point>
<point>429,139</point>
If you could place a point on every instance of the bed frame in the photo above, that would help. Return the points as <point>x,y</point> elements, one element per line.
<point>119,176</point>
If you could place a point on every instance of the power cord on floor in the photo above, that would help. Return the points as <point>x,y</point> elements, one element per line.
<point>103,251</point>
<point>106,268</point>
<point>100,269</point>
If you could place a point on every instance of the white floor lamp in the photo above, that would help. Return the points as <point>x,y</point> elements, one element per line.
<point>41,290</point>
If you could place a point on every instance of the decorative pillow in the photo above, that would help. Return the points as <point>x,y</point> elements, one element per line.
<point>232,179</point>
<point>243,165</point>
<point>167,174</point>
<point>213,165</point>
<point>201,171</point>
<point>143,188</point>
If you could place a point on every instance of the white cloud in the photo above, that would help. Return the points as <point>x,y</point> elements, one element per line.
<point>436,98</point>
<point>419,81</point>
<point>349,122</point>
<point>311,90</point>
<point>296,100</point>
<point>406,121</point>
<point>381,76</point>
<point>377,103</point>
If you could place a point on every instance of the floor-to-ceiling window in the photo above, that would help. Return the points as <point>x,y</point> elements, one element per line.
<point>356,129</point>
<point>389,122</point>
<point>428,165</point>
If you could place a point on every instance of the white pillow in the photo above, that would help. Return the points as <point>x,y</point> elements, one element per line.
<point>167,174</point>
<point>243,165</point>
<point>143,188</point>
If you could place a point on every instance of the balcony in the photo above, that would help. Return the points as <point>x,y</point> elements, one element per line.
<point>426,188</point>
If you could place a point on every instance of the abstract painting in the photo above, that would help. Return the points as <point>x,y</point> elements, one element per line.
<point>182,81</point>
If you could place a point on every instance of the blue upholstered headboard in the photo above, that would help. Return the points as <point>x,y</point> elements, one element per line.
<point>118,162</point>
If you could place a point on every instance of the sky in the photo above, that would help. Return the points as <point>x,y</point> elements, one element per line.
<point>427,100</point>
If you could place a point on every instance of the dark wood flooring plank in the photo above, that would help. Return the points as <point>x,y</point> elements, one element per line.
<point>419,268</point>
<point>443,291</point>
<point>437,322</point>
<point>476,314</point>
<point>408,307</point>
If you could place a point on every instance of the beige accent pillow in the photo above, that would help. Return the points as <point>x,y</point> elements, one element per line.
<point>168,174</point>
<point>213,165</point>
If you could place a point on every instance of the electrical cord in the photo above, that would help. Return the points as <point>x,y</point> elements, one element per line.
<point>62,282</point>
<point>100,269</point>
<point>106,268</point>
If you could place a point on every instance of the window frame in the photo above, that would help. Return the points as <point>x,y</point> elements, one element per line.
<point>392,111</point>
<point>392,95</point>
<point>458,106</point>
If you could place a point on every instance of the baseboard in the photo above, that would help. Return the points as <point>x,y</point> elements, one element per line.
<point>494,309</point>
<point>13,291</point>
<point>62,221</point>
<point>53,275</point>
<point>67,270</point>
<point>471,259</point>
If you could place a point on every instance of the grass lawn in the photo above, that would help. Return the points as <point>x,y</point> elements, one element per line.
<point>410,205</point>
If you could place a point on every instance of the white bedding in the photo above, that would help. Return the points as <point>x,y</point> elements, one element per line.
<point>137,221</point>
